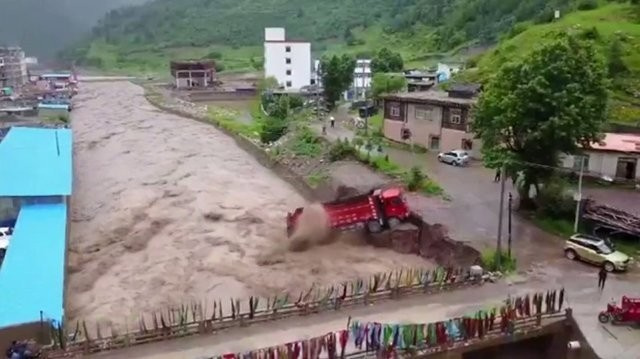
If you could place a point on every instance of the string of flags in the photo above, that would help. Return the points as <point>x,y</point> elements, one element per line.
<point>387,339</point>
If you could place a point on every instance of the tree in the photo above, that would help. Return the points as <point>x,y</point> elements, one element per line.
<point>614,61</point>
<point>545,105</point>
<point>387,83</point>
<point>337,74</point>
<point>387,61</point>
<point>267,83</point>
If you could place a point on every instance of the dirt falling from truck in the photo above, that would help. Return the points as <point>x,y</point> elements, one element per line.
<point>312,229</point>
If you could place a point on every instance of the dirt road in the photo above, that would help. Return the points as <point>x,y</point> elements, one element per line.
<point>166,210</point>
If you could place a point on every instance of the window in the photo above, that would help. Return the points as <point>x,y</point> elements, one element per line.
<point>423,113</point>
<point>313,81</point>
<point>394,111</point>
<point>288,72</point>
<point>434,142</point>
<point>577,164</point>
<point>455,116</point>
<point>288,83</point>
<point>287,49</point>
<point>288,60</point>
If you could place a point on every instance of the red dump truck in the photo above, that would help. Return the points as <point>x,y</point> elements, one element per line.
<point>377,210</point>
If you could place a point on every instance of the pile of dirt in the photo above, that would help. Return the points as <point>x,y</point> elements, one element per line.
<point>435,244</point>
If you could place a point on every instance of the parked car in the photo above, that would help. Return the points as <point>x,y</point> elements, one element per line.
<point>596,251</point>
<point>455,157</point>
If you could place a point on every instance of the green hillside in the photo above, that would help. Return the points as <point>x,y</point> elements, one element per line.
<point>608,25</point>
<point>143,38</point>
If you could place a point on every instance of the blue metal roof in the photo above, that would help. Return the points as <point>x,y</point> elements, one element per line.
<point>53,106</point>
<point>32,274</point>
<point>36,162</point>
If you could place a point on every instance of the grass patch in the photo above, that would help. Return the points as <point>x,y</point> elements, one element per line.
<point>306,143</point>
<point>228,120</point>
<point>559,227</point>
<point>317,178</point>
<point>492,261</point>
<point>431,188</point>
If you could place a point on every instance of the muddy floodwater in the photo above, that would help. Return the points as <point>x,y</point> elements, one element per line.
<point>167,210</point>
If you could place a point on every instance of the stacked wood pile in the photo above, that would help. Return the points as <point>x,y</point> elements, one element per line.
<point>612,217</point>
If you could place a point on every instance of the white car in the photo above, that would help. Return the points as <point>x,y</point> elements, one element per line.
<point>455,157</point>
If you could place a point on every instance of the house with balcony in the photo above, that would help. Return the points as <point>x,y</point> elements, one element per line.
<point>436,120</point>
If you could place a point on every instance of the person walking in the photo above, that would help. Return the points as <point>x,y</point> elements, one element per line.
<point>602,278</point>
<point>332,121</point>
<point>497,177</point>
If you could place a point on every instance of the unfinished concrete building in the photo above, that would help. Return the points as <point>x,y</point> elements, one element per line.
<point>193,73</point>
<point>13,68</point>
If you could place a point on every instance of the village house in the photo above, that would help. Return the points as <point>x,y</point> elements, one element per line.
<point>420,81</point>
<point>193,73</point>
<point>437,120</point>
<point>615,157</point>
<point>288,61</point>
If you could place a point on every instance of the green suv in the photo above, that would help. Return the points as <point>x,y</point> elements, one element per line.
<point>596,251</point>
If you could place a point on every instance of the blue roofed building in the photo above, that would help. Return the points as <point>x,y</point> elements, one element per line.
<point>34,194</point>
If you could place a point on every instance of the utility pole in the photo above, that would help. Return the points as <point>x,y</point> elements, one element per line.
<point>509,225</point>
<point>500,215</point>
<point>579,195</point>
<point>318,91</point>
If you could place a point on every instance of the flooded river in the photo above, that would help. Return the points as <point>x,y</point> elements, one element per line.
<point>166,210</point>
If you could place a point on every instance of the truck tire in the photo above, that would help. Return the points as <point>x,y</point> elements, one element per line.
<point>393,222</point>
<point>374,227</point>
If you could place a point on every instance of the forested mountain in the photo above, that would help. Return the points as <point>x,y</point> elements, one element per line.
<point>144,37</point>
<point>44,27</point>
<point>241,22</point>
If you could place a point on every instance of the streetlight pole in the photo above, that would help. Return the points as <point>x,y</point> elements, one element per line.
<point>500,214</point>
<point>579,195</point>
<point>509,224</point>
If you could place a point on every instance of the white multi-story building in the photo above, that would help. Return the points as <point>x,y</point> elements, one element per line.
<point>287,60</point>
<point>361,81</point>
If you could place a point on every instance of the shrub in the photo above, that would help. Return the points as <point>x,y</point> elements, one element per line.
<point>295,101</point>
<point>587,5</point>
<point>341,150</point>
<point>214,55</point>
<point>492,262</point>
<point>553,200</point>
<point>591,33</point>
<point>414,178</point>
<point>272,129</point>
<point>306,143</point>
